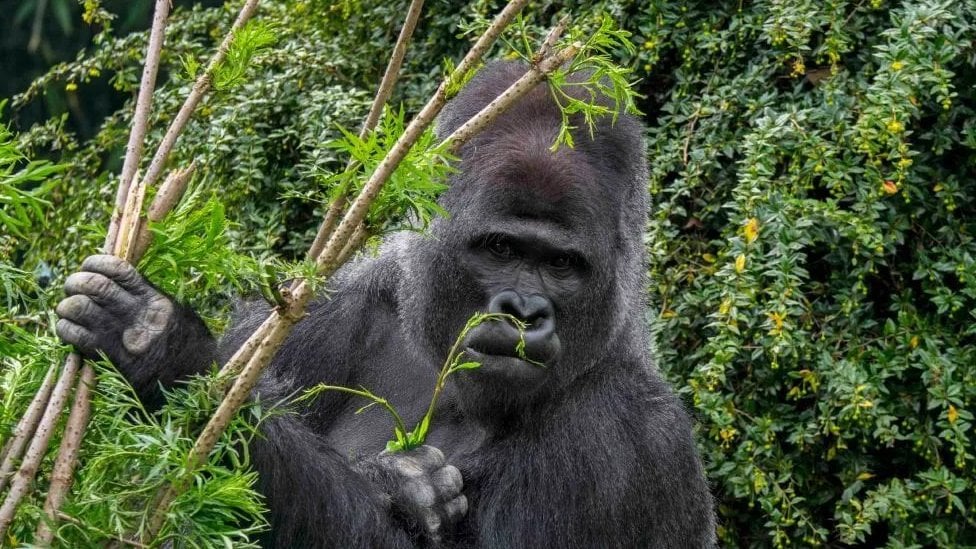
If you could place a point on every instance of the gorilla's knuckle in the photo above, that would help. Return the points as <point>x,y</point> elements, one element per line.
<point>408,467</point>
<point>456,508</point>
<point>448,480</point>
<point>77,307</point>
<point>419,493</point>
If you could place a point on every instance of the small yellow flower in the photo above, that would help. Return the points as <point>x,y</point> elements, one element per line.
<point>740,263</point>
<point>939,187</point>
<point>953,414</point>
<point>70,86</point>
<point>799,67</point>
<point>94,72</point>
<point>751,229</point>
<point>709,258</point>
<point>776,318</point>
<point>897,66</point>
<point>889,187</point>
<point>914,342</point>
<point>725,307</point>
<point>865,476</point>
<point>727,434</point>
<point>894,126</point>
<point>668,313</point>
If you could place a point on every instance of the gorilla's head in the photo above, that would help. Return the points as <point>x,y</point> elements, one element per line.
<point>554,238</point>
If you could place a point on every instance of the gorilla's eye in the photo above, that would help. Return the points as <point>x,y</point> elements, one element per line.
<point>562,262</point>
<point>499,246</point>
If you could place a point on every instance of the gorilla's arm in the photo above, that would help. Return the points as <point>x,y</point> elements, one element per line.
<point>150,338</point>
<point>317,496</point>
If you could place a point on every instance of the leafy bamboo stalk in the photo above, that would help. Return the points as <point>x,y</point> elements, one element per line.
<point>62,475</point>
<point>29,423</point>
<point>26,426</point>
<point>282,319</point>
<point>375,110</point>
<point>357,210</point>
<point>21,483</point>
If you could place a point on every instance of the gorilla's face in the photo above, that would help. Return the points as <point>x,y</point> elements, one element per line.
<point>551,238</point>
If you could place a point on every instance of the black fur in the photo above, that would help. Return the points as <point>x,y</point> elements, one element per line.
<point>594,450</point>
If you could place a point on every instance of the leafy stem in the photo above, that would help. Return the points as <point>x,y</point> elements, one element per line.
<point>402,439</point>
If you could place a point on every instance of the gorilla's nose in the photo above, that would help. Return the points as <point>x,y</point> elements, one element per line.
<point>535,310</point>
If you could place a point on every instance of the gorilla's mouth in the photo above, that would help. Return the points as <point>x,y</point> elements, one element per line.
<point>495,345</point>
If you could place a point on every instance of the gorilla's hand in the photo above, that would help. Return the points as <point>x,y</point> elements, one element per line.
<point>424,492</point>
<point>111,308</point>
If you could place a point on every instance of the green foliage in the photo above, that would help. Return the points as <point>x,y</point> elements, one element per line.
<point>812,262</point>
<point>131,454</point>
<point>408,200</point>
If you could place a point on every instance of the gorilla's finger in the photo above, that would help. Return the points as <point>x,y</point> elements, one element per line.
<point>82,310</point>
<point>76,335</point>
<point>101,289</point>
<point>118,269</point>
<point>428,457</point>
<point>455,509</point>
<point>419,493</point>
<point>447,481</point>
<point>432,522</point>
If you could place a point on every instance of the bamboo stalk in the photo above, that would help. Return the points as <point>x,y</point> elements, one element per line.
<point>375,110</point>
<point>357,210</point>
<point>200,88</point>
<point>21,482</point>
<point>500,104</point>
<point>26,426</point>
<point>63,473</point>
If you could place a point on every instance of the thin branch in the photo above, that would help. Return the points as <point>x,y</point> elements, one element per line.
<point>140,120</point>
<point>26,426</point>
<point>200,89</point>
<point>21,483</point>
<point>167,197</point>
<point>279,324</point>
<point>375,110</point>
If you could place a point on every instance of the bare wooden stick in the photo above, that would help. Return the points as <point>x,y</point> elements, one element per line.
<point>375,110</point>
<point>26,426</point>
<point>62,475</point>
<point>355,241</point>
<point>140,119</point>
<point>167,197</point>
<point>131,218</point>
<point>278,325</point>
<point>21,482</point>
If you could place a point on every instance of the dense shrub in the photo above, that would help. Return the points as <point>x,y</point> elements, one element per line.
<point>813,168</point>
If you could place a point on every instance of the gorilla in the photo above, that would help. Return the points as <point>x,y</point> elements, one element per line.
<point>591,450</point>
